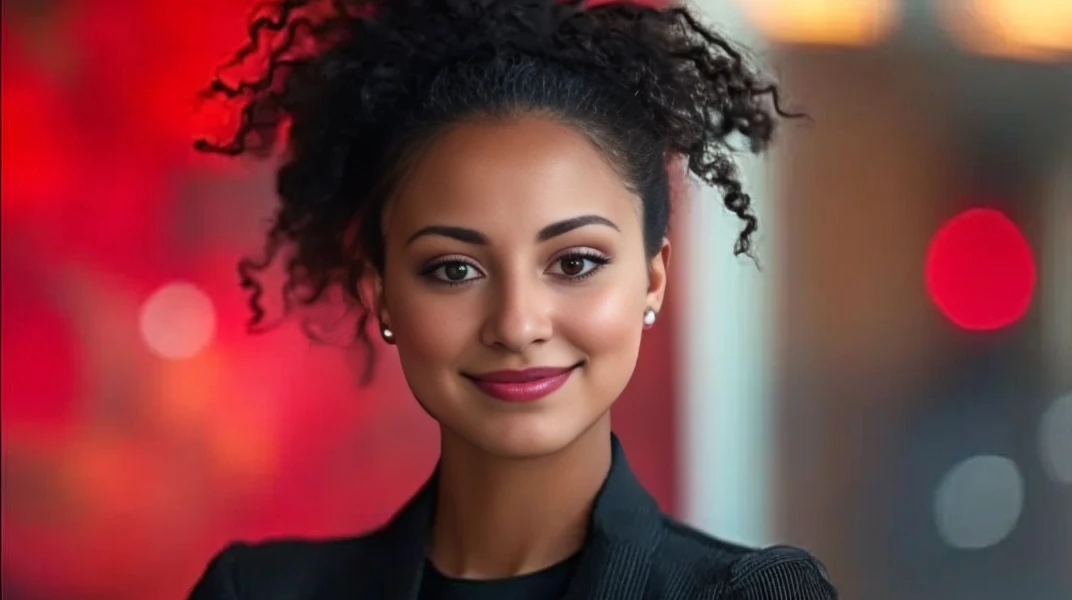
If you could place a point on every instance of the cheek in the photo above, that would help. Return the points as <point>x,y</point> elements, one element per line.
<point>431,329</point>
<point>606,322</point>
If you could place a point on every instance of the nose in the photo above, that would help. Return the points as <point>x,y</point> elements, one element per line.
<point>519,314</point>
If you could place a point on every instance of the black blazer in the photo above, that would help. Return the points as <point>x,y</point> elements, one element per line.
<point>633,552</point>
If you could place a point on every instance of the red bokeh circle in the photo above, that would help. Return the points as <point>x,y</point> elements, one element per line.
<point>980,271</point>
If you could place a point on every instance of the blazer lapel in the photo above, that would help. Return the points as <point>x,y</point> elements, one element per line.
<point>393,568</point>
<point>623,536</point>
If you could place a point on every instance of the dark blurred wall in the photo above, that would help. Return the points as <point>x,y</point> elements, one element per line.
<point>880,395</point>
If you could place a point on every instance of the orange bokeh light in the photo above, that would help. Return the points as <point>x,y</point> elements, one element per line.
<point>1023,29</point>
<point>824,22</point>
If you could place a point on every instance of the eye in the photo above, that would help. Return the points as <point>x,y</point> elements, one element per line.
<point>578,265</point>
<point>453,272</point>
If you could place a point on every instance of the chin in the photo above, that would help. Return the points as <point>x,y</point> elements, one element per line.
<point>524,438</point>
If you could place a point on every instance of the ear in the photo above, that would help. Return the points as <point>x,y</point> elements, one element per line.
<point>657,274</point>
<point>379,298</point>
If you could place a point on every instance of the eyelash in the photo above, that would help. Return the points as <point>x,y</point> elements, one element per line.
<point>599,260</point>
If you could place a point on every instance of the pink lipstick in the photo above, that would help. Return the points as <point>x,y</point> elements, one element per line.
<point>522,386</point>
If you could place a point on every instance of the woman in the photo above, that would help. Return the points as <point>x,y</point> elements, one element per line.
<point>499,173</point>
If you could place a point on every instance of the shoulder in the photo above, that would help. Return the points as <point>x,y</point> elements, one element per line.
<point>280,569</point>
<point>728,571</point>
<point>779,573</point>
<point>689,545</point>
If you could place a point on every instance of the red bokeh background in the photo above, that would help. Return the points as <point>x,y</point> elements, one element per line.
<point>123,471</point>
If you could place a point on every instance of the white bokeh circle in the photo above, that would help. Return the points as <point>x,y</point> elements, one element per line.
<point>979,502</point>
<point>177,321</point>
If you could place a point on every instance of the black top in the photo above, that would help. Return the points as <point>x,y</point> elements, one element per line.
<point>546,584</point>
<point>633,552</point>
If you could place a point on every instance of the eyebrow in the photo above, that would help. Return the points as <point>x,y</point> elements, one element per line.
<point>472,236</point>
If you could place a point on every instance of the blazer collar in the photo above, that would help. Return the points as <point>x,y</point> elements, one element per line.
<point>624,531</point>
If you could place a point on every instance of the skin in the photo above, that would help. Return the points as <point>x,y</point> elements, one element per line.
<point>517,479</point>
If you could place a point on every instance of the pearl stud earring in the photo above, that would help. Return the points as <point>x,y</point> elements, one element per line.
<point>387,335</point>
<point>649,317</point>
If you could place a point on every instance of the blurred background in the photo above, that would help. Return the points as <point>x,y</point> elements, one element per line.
<point>892,391</point>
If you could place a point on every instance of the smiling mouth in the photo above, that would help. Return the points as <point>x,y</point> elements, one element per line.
<point>526,385</point>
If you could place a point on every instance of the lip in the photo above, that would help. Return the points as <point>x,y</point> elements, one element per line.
<point>527,385</point>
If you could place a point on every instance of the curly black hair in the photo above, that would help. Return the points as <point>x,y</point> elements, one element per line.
<point>355,87</point>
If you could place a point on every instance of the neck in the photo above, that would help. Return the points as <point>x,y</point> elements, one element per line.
<point>497,517</point>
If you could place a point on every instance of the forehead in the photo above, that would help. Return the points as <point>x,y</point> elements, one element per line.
<point>512,177</point>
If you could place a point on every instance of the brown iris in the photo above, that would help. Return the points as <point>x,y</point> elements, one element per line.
<point>572,266</point>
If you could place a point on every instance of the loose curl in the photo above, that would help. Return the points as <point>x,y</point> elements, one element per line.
<point>357,88</point>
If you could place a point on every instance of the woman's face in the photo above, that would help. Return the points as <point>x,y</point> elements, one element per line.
<point>513,246</point>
